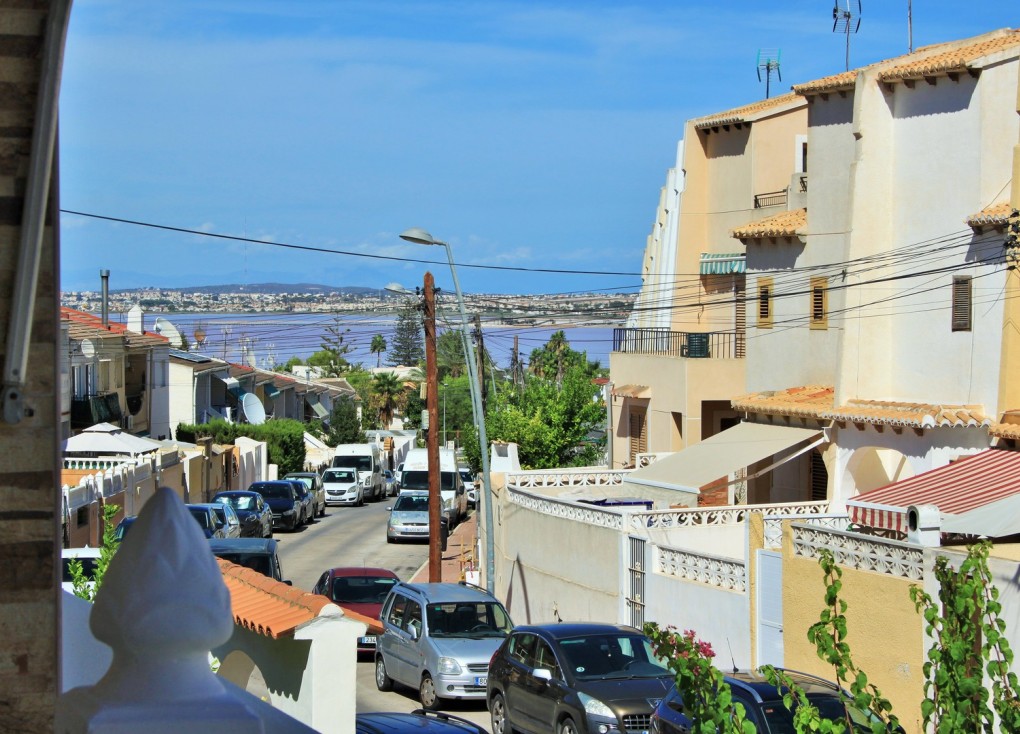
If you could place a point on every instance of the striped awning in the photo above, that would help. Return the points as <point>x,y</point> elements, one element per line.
<point>723,264</point>
<point>958,488</point>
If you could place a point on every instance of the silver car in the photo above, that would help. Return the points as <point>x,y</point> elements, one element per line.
<point>439,638</point>
<point>409,517</point>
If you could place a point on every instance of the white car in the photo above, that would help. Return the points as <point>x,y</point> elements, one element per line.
<point>88,557</point>
<point>470,485</point>
<point>343,487</point>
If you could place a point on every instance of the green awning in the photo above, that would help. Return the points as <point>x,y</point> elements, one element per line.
<point>723,264</point>
<point>270,391</point>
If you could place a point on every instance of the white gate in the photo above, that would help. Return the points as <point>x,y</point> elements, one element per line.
<point>770,608</point>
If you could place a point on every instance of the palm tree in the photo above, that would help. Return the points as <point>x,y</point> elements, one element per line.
<point>387,394</point>
<point>377,347</point>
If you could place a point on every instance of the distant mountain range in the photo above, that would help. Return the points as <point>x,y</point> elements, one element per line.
<point>262,288</point>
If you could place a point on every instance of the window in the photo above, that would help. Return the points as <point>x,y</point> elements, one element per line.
<point>961,303</point>
<point>819,303</point>
<point>765,296</point>
<point>396,616</point>
<point>638,434</point>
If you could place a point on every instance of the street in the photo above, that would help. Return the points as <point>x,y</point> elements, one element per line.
<point>356,536</point>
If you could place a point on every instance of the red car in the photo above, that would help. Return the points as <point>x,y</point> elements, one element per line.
<point>362,590</point>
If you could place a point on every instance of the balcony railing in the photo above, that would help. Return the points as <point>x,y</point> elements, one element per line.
<point>772,198</point>
<point>693,345</point>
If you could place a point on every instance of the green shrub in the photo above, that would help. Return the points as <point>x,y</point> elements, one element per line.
<point>284,438</point>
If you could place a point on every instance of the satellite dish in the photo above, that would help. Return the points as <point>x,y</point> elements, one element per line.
<point>253,410</point>
<point>88,348</point>
<point>164,328</point>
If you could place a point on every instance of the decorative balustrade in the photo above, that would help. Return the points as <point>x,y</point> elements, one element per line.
<point>693,345</point>
<point>774,526</point>
<point>724,573</point>
<point>567,509</point>
<point>566,478</point>
<point>863,552</point>
<point>688,517</point>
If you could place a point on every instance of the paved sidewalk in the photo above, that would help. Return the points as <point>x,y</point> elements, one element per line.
<point>460,555</point>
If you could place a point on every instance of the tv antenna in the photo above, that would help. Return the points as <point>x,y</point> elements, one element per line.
<point>768,61</point>
<point>846,21</point>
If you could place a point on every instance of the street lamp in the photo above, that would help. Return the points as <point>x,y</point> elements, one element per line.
<point>421,237</point>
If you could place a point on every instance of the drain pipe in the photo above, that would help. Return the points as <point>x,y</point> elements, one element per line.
<point>104,276</point>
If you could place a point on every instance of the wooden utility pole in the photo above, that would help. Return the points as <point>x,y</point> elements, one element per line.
<point>480,354</point>
<point>432,442</point>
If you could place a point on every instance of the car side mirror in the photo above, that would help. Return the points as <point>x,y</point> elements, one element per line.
<point>542,674</point>
<point>288,582</point>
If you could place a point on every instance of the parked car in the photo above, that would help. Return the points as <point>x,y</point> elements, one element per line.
<point>283,500</point>
<point>88,558</point>
<point>205,516</point>
<point>313,483</point>
<point>398,475</point>
<point>418,721</point>
<point>362,590</point>
<point>254,514</point>
<point>343,487</point>
<point>123,526</point>
<point>230,522</point>
<point>763,704</point>
<point>575,678</point>
<point>389,483</point>
<point>307,510</point>
<point>409,517</point>
<point>470,485</point>
<point>439,639</point>
<point>258,554</point>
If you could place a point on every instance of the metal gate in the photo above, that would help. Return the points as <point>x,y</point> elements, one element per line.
<point>770,608</point>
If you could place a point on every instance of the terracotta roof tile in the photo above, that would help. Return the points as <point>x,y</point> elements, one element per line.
<point>1005,430</point>
<point>267,606</point>
<point>785,224</point>
<point>815,401</point>
<point>956,57</point>
<point>837,82</point>
<point>996,215</point>
<point>82,325</point>
<point>747,113</point>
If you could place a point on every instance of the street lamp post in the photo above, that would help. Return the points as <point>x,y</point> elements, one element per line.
<point>421,237</point>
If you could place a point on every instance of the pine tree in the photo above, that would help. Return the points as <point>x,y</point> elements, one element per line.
<point>407,348</point>
<point>344,423</point>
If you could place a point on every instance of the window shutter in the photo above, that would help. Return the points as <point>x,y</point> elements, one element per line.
<point>764,303</point>
<point>819,304</point>
<point>962,303</point>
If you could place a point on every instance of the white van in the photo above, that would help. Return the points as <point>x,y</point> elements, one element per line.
<point>415,477</point>
<point>366,459</point>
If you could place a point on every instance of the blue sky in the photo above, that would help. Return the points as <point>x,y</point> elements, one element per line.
<point>532,135</point>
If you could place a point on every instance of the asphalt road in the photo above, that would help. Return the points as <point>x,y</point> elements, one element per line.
<point>356,536</point>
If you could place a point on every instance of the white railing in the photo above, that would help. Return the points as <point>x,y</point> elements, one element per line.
<point>567,509</point>
<point>78,464</point>
<point>863,552</point>
<point>688,517</point>
<point>774,526</point>
<point>566,478</point>
<point>723,573</point>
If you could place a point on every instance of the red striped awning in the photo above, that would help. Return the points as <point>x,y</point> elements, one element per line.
<point>957,488</point>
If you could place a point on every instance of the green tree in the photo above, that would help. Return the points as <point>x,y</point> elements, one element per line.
<point>377,347</point>
<point>334,348</point>
<point>552,360</point>
<point>344,423</point>
<point>450,354</point>
<point>407,348</point>
<point>387,396</point>
<point>81,585</point>
<point>288,365</point>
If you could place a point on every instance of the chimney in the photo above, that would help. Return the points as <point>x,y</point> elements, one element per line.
<point>104,275</point>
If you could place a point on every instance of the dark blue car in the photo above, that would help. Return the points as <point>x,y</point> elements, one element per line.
<point>283,500</point>
<point>252,510</point>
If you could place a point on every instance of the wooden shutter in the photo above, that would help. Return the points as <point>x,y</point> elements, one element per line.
<point>819,304</point>
<point>819,478</point>
<point>638,434</point>
<point>961,303</point>
<point>765,303</point>
<point>740,318</point>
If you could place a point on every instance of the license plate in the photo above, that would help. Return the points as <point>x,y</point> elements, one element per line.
<point>370,640</point>
<point>481,680</point>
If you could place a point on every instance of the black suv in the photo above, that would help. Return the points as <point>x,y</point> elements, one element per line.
<point>763,705</point>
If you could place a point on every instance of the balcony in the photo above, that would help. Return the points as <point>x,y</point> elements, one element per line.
<point>89,411</point>
<point>772,198</point>
<point>691,345</point>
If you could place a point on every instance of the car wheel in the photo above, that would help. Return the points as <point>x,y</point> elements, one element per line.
<point>497,712</point>
<point>382,679</point>
<point>567,726</point>
<point>427,694</point>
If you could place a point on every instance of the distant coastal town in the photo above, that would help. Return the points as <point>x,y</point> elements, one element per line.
<point>310,298</point>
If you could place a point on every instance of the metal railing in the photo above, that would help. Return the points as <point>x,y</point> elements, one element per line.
<point>693,345</point>
<point>772,198</point>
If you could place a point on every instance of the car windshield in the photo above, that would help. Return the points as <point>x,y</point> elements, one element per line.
<point>237,501</point>
<point>831,707</point>
<point>468,619</point>
<point>256,561</point>
<point>344,476</point>
<point>274,491</point>
<point>202,515</point>
<point>465,476</point>
<point>362,589</point>
<point>420,480</point>
<point>611,655</point>
<point>307,481</point>
<point>361,463</point>
<point>411,503</point>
